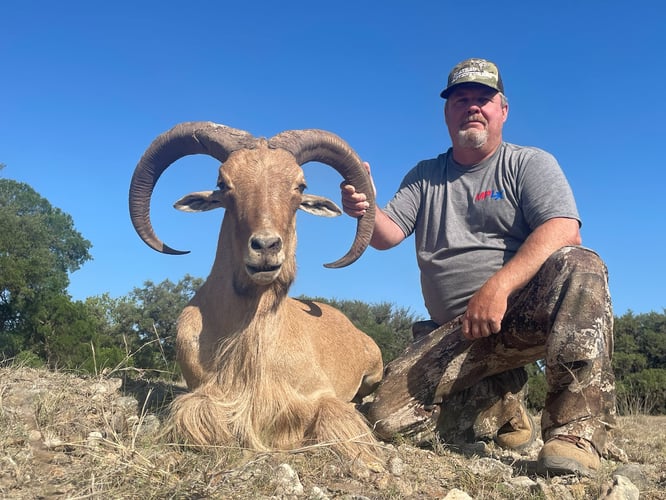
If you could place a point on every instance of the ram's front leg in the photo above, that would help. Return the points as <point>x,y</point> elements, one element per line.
<point>188,347</point>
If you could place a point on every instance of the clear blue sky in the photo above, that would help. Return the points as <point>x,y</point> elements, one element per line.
<point>86,86</point>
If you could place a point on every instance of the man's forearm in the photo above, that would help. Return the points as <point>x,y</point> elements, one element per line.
<point>541,244</point>
<point>387,233</point>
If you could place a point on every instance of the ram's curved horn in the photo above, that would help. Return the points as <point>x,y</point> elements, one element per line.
<point>328,148</point>
<point>184,139</point>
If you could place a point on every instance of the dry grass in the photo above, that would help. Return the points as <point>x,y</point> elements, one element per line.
<point>63,436</point>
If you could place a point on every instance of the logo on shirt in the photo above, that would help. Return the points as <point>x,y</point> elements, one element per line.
<point>490,194</point>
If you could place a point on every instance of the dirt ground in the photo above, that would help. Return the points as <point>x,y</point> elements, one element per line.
<point>63,436</point>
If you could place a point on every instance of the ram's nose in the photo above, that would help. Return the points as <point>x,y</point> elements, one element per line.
<point>265,243</point>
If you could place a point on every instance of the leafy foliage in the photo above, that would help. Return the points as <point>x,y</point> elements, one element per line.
<point>537,386</point>
<point>639,363</point>
<point>154,313</point>
<point>143,323</point>
<point>38,244</point>
<point>38,248</point>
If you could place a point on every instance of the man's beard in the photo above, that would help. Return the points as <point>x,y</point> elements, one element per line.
<point>473,139</point>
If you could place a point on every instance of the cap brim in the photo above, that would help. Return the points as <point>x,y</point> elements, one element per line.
<point>447,91</point>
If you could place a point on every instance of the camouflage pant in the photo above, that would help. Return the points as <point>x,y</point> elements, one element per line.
<point>563,316</point>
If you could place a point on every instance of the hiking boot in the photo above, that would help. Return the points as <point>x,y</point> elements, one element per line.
<point>568,455</point>
<point>422,328</point>
<point>518,433</point>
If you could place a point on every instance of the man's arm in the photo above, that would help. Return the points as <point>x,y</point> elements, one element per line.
<point>488,305</point>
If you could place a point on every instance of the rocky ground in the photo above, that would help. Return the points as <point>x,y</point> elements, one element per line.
<point>63,436</point>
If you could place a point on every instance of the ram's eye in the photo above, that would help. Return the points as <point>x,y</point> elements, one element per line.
<point>302,188</point>
<point>222,186</point>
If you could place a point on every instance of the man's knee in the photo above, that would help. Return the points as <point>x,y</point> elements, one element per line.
<point>574,280</point>
<point>578,258</point>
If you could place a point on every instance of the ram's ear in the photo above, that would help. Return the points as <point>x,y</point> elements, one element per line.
<point>318,205</point>
<point>201,201</point>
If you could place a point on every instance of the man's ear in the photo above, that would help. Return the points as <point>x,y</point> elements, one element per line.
<point>318,205</point>
<point>201,201</point>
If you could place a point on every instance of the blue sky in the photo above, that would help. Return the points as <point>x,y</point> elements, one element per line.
<point>86,86</point>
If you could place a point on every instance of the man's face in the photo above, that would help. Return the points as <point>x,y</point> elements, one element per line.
<point>475,116</point>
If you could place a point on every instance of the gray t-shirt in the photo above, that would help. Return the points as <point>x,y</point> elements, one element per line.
<point>469,221</point>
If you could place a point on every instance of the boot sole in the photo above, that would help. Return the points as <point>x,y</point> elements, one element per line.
<point>561,466</point>
<point>527,443</point>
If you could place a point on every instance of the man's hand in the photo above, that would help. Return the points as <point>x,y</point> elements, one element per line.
<point>485,311</point>
<point>355,204</point>
<point>488,305</point>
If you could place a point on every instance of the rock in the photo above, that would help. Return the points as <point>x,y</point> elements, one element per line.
<point>359,470</point>
<point>317,494</point>
<point>490,465</point>
<point>456,494</point>
<point>634,473</point>
<point>148,426</point>
<point>123,408</point>
<point>287,481</point>
<point>622,489</point>
<point>554,491</point>
<point>34,436</point>
<point>396,466</point>
<point>522,482</point>
<point>94,439</point>
<point>126,404</point>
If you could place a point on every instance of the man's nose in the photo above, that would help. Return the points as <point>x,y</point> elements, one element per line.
<point>473,109</point>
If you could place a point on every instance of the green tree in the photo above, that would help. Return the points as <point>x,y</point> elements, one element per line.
<point>639,362</point>
<point>110,351</point>
<point>143,324</point>
<point>537,385</point>
<point>642,392</point>
<point>652,339</point>
<point>39,247</point>
<point>69,334</point>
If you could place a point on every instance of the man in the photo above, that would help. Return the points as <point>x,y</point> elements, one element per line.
<point>497,239</point>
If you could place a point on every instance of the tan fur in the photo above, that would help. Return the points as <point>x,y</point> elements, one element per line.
<point>267,371</point>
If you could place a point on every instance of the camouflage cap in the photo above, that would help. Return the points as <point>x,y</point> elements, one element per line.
<point>474,71</point>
